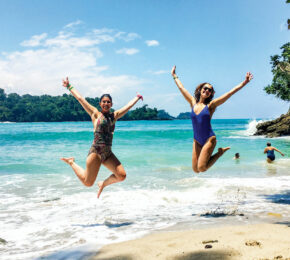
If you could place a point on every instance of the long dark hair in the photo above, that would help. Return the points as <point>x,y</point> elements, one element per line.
<point>198,90</point>
<point>106,95</point>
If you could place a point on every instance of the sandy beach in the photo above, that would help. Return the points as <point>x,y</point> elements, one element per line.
<point>259,241</point>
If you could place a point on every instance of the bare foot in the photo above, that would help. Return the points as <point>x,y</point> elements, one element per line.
<point>101,187</point>
<point>69,160</point>
<point>223,150</point>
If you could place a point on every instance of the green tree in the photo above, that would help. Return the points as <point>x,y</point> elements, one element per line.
<point>2,95</point>
<point>280,86</point>
<point>45,108</point>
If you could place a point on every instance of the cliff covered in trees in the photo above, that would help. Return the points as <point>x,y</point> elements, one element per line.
<point>45,108</point>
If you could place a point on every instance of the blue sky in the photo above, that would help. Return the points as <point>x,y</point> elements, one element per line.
<point>121,47</point>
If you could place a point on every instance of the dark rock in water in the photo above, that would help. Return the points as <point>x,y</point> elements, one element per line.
<point>275,128</point>
<point>208,246</point>
<point>3,241</point>
<point>220,214</point>
<point>214,214</point>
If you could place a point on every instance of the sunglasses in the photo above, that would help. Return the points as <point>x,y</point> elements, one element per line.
<point>209,89</point>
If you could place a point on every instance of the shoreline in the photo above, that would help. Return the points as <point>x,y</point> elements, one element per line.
<point>249,241</point>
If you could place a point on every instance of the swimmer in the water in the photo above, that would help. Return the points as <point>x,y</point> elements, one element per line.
<point>269,150</point>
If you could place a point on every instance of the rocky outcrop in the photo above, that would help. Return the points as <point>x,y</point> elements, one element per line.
<point>275,128</point>
<point>185,115</point>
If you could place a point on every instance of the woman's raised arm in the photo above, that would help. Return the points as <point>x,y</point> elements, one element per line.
<point>85,104</point>
<point>121,112</point>
<point>189,98</point>
<point>222,99</point>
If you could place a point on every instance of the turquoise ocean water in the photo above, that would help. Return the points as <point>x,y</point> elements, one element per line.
<point>45,212</point>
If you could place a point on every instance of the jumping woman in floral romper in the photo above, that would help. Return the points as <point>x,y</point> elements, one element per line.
<point>100,152</point>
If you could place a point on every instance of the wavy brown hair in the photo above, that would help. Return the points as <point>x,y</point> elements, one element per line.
<point>198,90</point>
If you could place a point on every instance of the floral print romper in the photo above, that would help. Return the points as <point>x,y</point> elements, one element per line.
<point>103,136</point>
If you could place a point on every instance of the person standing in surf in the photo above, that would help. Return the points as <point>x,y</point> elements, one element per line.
<point>100,152</point>
<point>202,108</point>
<point>269,150</point>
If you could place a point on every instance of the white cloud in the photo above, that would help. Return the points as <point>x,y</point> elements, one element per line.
<point>152,43</point>
<point>159,72</point>
<point>41,70</point>
<point>126,51</point>
<point>34,40</point>
<point>73,24</point>
<point>127,37</point>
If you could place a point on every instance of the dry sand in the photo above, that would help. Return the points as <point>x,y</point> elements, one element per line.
<point>260,241</point>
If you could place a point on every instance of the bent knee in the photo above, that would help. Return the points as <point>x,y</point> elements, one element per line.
<point>213,139</point>
<point>121,176</point>
<point>202,168</point>
<point>195,169</point>
<point>88,183</point>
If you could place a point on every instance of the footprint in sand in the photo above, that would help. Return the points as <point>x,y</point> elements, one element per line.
<point>253,243</point>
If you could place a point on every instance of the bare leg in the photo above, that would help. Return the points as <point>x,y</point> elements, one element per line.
<point>217,155</point>
<point>89,175</point>
<point>206,159</point>
<point>269,160</point>
<point>196,148</point>
<point>119,174</point>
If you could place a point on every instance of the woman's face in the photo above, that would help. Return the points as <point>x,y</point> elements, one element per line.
<point>206,91</point>
<point>106,104</point>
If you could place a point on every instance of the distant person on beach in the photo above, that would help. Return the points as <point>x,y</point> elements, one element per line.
<point>269,150</point>
<point>100,152</point>
<point>237,156</point>
<point>202,108</point>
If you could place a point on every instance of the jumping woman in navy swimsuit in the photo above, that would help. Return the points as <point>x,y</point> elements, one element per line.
<point>202,109</point>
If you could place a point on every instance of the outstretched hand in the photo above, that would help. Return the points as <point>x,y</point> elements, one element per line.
<point>65,82</point>
<point>249,77</point>
<point>139,96</point>
<point>173,71</point>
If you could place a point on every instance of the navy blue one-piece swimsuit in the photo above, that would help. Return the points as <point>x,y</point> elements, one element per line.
<point>271,155</point>
<point>201,125</point>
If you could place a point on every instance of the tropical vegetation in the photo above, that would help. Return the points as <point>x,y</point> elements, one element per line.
<point>46,108</point>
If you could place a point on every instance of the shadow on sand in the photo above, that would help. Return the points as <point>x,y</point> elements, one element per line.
<point>67,255</point>
<point>119,257</point>
<point>286,223</point>
<point>199,255</point>
<point>282,198</point>
<point>208,255</point>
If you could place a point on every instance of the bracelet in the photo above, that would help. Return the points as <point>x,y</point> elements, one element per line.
<point>70,88</point>
<point>175,77</point>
